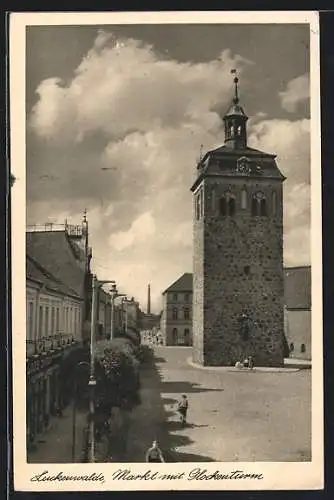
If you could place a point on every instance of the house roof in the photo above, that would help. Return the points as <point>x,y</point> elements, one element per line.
<point>297,287</point>
<point>182,284</point>
<point>37,273</point>
<point>54,253</point>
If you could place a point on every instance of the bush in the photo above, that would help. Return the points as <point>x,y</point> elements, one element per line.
<point>117,376</point>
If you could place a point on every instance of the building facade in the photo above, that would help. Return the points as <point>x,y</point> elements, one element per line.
<point>298,322</point>
<point>238,283</point>
<point>176,317</point>
<point>54,318</point>
<point>58,313</point>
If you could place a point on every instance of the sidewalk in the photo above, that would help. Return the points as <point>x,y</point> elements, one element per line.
<point>55,444</point>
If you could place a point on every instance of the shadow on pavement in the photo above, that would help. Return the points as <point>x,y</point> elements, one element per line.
<point>186,387</point>
<point>149,420</point>
<point>176,425</point>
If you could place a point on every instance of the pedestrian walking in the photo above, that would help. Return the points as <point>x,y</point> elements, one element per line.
<point>154,454</point>
<point>182,408</point>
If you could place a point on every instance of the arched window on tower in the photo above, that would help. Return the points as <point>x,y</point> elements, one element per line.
<point>213,200</point>
<point>243,199</point>
<point>231,130</point>
<point>198,206</point>
<point>223,206</point>
<point>239,130</point>
<point>259,205</point>
<point>263,207</point>
<point>254,206</point>
<point>274,203</point>
<point>227,205</point>
<point>231,206</point>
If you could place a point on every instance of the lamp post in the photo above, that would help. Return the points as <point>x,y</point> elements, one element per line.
<point>114,295</point>
<point>96,284</point>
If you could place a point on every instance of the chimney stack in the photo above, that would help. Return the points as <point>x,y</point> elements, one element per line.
<point>149,299</point>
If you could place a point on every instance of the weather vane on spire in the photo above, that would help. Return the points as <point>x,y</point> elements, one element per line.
<point>235,81</point>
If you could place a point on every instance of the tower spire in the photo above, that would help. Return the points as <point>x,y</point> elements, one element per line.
<point>235,120</point>
<point>235,81</point>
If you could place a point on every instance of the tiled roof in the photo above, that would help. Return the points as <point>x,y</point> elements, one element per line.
<point>183,284</point>
<point>54,253</point>
<point>36,272</point>
<point>297,287</point>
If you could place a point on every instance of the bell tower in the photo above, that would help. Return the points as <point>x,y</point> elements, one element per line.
<point>238,288</point>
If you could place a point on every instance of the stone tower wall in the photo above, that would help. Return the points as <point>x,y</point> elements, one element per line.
<point>238,270</point>
<point>198,289</point>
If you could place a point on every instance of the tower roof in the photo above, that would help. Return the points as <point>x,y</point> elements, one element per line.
<point>235,110</point>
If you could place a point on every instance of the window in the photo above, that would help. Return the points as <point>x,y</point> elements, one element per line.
<point>291,347</point>
<point>71,321</point>
<point>40,322</point>
<point>231,206</point>
<point>259,205</point>
<point>239,130</point>
<point>66,319</point>
<point>254,206</point>
<point>53,319</point>
<point>274,202</point>
<point>174,335</point>
<point>187,336</point>
<point>244,199</point>
<point>263,208</point>
<point>186,297</point>
<point>174,313</point>
<point>199,204</point>
<point>175,296</point>
<point>302,348</point>
<point>57,320</point>
<point>46,320</point>
<point>213,200</point>
<point>30,321</point>
<point>227,205</point>
<point>222,206</point>
<point>186,314</point>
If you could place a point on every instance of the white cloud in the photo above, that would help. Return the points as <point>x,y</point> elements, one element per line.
<point>145,118</point>
<point>141,229</point>
<point>297,90</point>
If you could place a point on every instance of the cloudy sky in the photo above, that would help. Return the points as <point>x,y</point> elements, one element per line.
<point>115,119</point>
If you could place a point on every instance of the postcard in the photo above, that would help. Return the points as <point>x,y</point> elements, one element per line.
<point>166,251</point>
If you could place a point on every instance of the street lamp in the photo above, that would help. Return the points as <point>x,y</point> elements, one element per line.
<point>96,284</point>
<point>114,294</point>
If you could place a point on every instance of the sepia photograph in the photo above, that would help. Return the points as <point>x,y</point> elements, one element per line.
<point>170,183</point>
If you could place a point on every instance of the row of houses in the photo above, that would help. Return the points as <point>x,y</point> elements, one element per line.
<point>58,315</point>
<point>176,316</point>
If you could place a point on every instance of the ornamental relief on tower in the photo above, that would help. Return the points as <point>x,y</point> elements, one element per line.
<point>247,167</point>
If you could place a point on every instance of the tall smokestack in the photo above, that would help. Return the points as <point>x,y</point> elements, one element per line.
<point>149,299</point>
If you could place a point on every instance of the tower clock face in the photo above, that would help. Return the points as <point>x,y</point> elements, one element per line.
<point>243,166</point>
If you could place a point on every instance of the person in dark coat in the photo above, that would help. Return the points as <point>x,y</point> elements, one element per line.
<point>154,454</point>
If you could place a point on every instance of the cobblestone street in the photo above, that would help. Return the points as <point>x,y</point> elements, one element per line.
<point>233,416</point>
